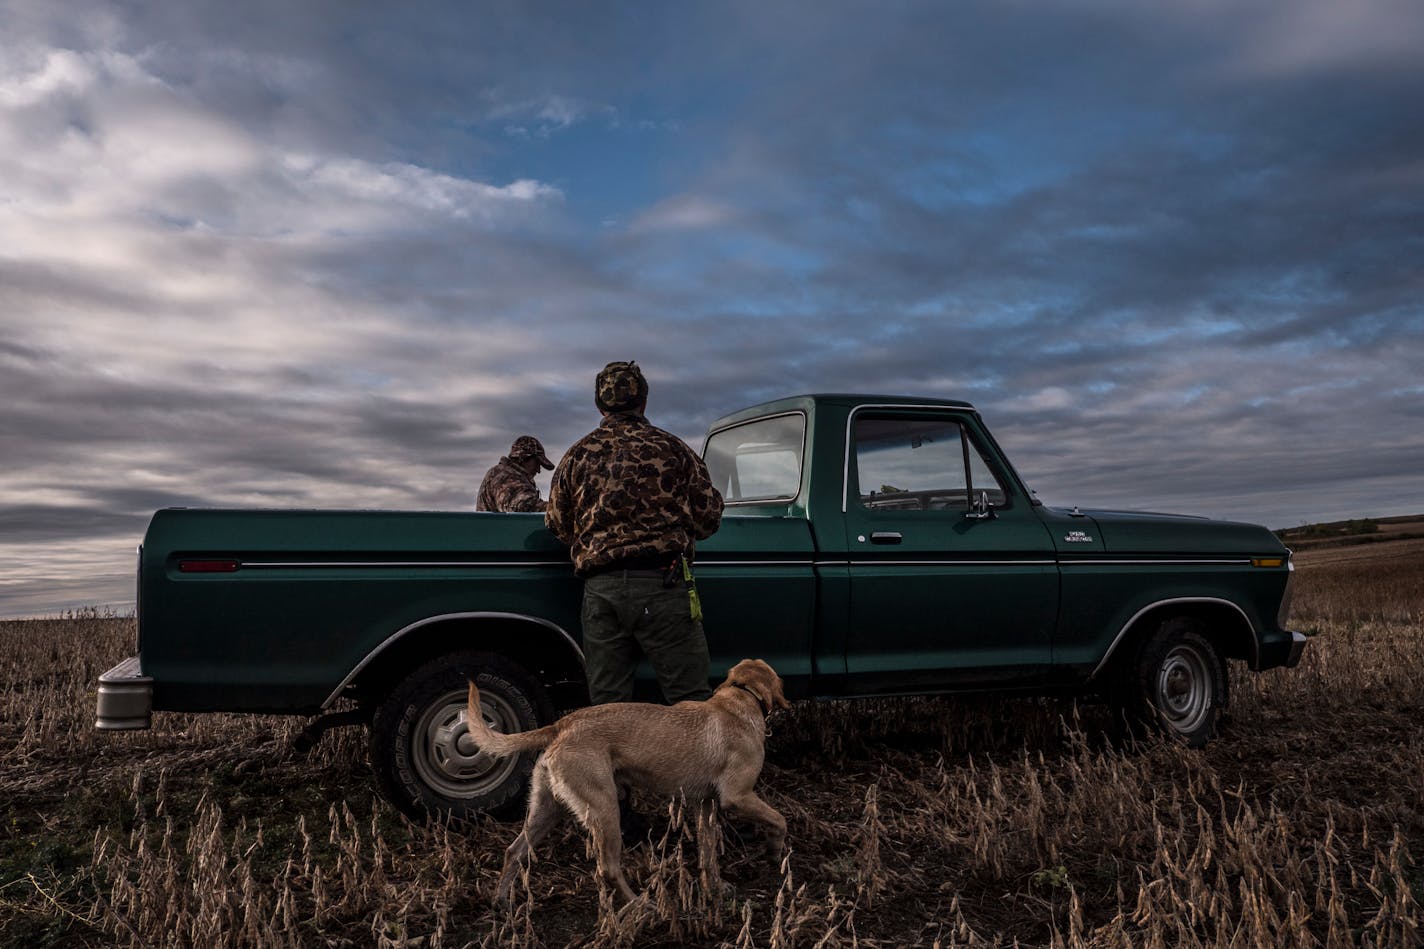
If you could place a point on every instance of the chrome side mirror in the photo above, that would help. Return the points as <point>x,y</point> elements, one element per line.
<point>980,509</point>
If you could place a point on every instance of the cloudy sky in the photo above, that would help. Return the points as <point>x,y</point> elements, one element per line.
<point>337,254</point>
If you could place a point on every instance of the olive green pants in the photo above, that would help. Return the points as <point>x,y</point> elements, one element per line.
<point>628,617</point>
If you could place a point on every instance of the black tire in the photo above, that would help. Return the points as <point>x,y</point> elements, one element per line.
<point>420,750</point>
<point>1174,685</point>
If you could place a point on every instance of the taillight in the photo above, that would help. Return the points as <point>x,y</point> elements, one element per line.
<point>207,566</point>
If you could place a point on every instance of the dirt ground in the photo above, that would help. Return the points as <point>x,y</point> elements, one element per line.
<point>912,822</point>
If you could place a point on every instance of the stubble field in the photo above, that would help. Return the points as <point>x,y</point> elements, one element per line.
<point>912,822</point>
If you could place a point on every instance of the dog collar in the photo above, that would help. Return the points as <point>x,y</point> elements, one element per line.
<point>765,709</point>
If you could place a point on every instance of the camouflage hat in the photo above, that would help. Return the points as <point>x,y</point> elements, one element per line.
<point>620,387</point>
<point>527,446</point>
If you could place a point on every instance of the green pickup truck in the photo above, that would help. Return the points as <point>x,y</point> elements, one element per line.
<point>871,546</point>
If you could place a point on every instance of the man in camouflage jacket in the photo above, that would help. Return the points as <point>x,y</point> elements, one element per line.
<point>631,501</point>
<point>509,485</point>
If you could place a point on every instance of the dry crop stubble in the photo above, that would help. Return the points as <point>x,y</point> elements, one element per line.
<point>913,822</point>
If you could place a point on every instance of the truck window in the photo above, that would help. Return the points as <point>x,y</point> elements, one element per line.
<point>758,460</point>
<point>917,464</point>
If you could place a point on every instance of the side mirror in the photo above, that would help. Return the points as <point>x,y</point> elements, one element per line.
<point>980,509</point>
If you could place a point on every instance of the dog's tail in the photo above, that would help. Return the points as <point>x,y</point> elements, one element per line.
<point>500,746</point>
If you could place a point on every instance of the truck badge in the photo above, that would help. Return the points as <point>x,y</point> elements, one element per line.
<point>1078,537</point>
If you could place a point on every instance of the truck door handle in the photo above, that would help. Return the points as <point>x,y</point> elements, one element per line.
<point>885,537</point>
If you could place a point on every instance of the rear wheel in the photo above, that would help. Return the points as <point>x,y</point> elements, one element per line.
<point>425,761</point>
<point>1175,685</point>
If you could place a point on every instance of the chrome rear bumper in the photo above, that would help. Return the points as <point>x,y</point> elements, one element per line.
<point>1298,641</point>
<point>125,698</point>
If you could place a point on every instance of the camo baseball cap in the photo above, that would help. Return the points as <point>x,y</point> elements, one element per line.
<point>527,446</point>
<point>620,386</point>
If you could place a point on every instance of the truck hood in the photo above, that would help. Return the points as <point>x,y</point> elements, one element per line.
<point>1144,532</point>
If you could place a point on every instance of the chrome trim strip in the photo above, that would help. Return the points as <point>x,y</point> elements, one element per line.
<point>277,565</point>
<point>454,564</point>
<point>951,563</point>
<point>757,418</point>
<point>357,564</point>
<point>1179,562</point>
<point>750,501</point>
<point>863,561</point>
<point>1255,637</point>
<point>699,564</point>
<point>350,676</point>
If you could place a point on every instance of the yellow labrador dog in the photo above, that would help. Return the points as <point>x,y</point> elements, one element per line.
<point>707,751</point>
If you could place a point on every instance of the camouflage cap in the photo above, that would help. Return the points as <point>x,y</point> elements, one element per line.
<point>527,446</point>
<point>620,386</point>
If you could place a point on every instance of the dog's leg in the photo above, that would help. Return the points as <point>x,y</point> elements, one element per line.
<point>709,837</point>
<point>608,842</point>
<point>747,804</point>
<point>588,788</point>
<point>541,817</point>
<point>601,819</point>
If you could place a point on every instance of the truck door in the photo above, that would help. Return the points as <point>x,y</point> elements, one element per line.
<point>953,576</point>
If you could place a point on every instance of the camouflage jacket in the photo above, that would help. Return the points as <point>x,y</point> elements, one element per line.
<point>508,488</point>
<point>630,491</point>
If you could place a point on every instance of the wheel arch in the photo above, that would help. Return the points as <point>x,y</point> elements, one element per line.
<point>544,649</point>
<point>1224,624</point>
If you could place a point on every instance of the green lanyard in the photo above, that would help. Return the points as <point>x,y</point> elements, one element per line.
<point>692,590</point>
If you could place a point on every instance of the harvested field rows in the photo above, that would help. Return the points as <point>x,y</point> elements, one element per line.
<point>912,822</point>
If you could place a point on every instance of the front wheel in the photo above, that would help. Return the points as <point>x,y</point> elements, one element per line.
<point>424,760</point>
<point>1175,685</point>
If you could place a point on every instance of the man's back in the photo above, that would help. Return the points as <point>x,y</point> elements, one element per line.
<point>629,491</point>
<point>507,488</point>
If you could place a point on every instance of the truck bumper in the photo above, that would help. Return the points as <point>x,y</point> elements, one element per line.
<point>1281,648</point>
<point>125,698</point>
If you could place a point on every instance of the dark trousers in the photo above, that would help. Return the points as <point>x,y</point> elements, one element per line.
<point>627,617</point>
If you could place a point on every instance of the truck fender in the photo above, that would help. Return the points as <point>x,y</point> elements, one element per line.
<point>1232,637</point>
<point>400,635</point>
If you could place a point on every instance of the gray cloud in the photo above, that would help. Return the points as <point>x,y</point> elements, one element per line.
<point>250,259</point>
<point>40,523</point>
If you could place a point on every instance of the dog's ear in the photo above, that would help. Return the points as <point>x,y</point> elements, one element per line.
<point>778,692</point>
<point>774,688</point>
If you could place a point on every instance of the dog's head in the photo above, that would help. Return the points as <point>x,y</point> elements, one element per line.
<point>761,680</point>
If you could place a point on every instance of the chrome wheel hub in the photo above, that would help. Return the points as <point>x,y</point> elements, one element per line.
<point>445,756</point>
<point>1185,690</point>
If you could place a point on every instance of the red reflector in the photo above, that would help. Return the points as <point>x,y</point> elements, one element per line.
<point>207,566</point>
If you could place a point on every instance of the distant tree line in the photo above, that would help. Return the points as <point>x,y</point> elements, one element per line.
<point>1364,525</point>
